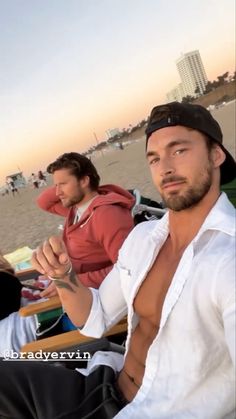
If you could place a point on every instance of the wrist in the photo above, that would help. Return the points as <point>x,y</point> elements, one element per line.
<point>62,276</point>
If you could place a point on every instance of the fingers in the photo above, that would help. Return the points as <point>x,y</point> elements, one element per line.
<point>44,260</point>
<point>47,256</point>
<point>51,257</point>
<point>35,264</point>
<point>50,291</point>
<point>59,247</point>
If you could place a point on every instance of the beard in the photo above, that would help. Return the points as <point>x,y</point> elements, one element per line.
<point>194,194</point>
<point>75,200</point>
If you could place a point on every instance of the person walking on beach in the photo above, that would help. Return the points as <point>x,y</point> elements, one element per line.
<point>11,184</point>
<point>34,180</point>
<point>175,279</point>
<point>42,178</point>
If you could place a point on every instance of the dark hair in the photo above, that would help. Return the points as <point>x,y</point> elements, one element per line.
<point>79,166</point>
<point>210,143</point>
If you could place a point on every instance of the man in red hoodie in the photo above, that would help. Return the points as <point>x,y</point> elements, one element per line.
<point>98,218</point>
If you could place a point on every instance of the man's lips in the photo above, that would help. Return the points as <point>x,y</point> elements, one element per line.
<point>174,184</point>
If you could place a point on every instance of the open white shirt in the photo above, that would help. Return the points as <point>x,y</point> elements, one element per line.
<point>189,366</point>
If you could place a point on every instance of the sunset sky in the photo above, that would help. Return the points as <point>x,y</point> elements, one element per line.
<point>70,68</point>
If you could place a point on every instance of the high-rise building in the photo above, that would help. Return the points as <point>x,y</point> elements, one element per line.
<point>192,73</point>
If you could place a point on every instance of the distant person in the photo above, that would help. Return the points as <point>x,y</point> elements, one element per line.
<point>34,181</point>
<point>6,191</point>
<point>11,185</point>
<point>42,179</point>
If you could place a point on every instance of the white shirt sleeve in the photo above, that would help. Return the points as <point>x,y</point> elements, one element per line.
<point>224,296</point>
<point>108,306</point>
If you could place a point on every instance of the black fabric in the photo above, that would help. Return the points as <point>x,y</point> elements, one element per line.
<point>10,294</point>
<point>36,390</point>
<point>186,114</point>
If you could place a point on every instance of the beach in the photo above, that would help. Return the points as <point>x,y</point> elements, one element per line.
<point>22,223</point>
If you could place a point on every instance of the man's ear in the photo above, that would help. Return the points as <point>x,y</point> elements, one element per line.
<point>218,156</point>
<point>84,182</point>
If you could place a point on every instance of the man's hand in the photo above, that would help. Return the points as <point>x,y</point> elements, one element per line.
<point>50,291</point>
<point>51,258</point>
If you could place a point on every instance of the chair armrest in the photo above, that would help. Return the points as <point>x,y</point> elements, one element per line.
<point>31,309</point>
<point>68,339</point>
<point>28,273</point>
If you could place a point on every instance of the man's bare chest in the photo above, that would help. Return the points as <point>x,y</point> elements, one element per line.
<point>151,295</point>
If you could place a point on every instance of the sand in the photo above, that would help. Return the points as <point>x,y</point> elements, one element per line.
<point>22,223</point>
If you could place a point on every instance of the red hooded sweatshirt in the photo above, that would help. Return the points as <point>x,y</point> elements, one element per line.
<point>94,242</point>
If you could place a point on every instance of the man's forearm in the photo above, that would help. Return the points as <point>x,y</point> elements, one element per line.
<point>49,201</point>
<point>51,259</point>
<point>75,297</point>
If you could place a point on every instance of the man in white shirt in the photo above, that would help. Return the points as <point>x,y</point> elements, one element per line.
<point>174,278</point>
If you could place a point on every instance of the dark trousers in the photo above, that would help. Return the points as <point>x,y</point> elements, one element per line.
<point>38,390</point>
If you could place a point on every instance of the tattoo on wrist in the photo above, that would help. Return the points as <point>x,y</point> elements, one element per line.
<point>62,284</point>
<point>73,278</point>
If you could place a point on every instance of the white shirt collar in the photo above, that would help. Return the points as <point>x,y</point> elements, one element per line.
<point>81,209</point>
<point>213,220</point>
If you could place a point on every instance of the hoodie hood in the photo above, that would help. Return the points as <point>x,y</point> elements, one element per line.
<point>107,195</point>
<point>113,194</point>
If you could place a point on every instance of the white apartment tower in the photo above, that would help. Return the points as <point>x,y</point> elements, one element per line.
<point>192,73</point>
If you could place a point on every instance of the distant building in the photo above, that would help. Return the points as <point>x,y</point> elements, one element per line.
<point>176,94</point>
<point>18,179</point>
<point>112,132</point>
<point>193,77</point>
<point>192,73</point>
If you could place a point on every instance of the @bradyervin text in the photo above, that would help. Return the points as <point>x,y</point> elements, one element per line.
<point>10,355</point>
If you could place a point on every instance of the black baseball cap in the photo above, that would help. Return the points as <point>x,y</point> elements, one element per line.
<point>196,117</point>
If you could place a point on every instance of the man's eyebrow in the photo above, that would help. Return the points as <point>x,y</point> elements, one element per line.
<point>151,153</point>
<point>169,145</point>
<point>177,142</point>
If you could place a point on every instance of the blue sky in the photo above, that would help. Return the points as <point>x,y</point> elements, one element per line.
<point>70,68</point>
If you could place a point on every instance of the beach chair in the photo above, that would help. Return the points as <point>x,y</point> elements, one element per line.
<point>27,274</point>
<point>69,340</point>
<point>73,340</point>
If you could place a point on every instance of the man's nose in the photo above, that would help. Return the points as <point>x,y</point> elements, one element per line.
<point>58,190</point>
<point>166,167</point>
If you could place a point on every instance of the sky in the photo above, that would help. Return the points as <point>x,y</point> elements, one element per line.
<point>72,68</point>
